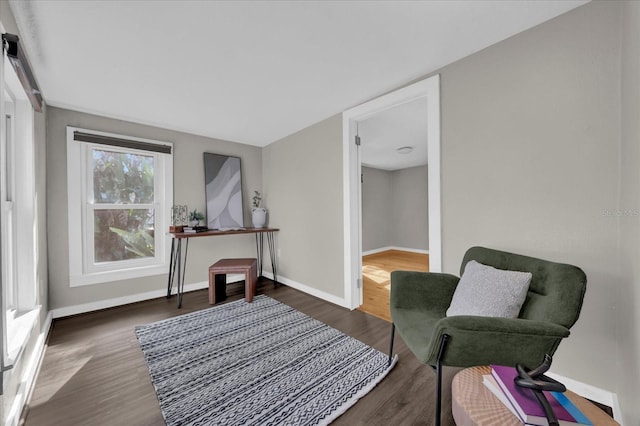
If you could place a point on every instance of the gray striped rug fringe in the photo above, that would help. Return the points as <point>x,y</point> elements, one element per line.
<point>259,363</point>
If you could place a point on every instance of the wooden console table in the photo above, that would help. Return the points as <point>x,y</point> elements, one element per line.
<point>178,262</point>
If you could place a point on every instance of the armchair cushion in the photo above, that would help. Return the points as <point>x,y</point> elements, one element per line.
<point>489,292</point>
<point>477,340</point>
<point>505,341</point>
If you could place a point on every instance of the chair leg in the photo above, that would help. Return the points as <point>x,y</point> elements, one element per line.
<point>393,332</point>
<point>443,346</point>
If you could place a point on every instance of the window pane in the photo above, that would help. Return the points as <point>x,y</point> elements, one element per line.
<point>120,178</point>
<point>123,234</point>
<point>7,156</point>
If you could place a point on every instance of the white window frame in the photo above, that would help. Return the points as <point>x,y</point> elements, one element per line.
<point>82,269</point>
<point>19,227</point>
<point>7,201</point>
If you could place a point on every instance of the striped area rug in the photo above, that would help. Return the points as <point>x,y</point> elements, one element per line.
<point>260,363</point>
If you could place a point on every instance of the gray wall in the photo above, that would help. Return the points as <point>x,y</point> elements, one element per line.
<point>188,181</point>
<point>377,209</point>
<point>395,209</point>
<point>302,176</point>
<point>628,288</point>
<point>530,159</point>
<point>13,377</point>
<point>410,208</point>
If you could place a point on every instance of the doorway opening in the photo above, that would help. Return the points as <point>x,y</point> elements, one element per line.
<point>427,91</point>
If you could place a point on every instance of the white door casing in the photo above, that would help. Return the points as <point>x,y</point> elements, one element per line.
<point>429,89</point>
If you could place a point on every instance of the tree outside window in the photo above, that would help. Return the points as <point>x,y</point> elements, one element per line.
<point>123,180</point>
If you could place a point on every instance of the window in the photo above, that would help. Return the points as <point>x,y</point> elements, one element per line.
<point>8,206</point>
<point>120,193</point>
<point>18,224</point>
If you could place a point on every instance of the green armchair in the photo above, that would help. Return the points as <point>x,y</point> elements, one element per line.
<point>419,301</point>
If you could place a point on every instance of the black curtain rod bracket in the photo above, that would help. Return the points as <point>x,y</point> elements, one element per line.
<point>18,59</point>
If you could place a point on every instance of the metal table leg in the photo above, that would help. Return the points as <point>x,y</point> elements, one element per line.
<point>272,255</point>
<point>172,268</point>
<point>259,250</point>
<point>184,269</point>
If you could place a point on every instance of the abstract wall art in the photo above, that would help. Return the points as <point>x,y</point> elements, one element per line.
<point>223,186</point>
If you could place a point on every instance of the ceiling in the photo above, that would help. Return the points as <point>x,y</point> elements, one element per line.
<point>381,135</point>
<point>251,71</point>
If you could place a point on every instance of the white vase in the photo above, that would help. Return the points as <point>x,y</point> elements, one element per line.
<point>258,217</point>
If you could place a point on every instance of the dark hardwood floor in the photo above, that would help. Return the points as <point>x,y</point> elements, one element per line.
<point>93,372</point>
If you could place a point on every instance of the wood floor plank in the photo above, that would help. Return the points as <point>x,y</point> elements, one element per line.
<point>376,272</point>
<point>94,373</point>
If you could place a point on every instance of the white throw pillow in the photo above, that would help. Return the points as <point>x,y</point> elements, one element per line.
<point>489,292</point>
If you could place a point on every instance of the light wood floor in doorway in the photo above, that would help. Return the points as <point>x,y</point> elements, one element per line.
<point>376,271</point>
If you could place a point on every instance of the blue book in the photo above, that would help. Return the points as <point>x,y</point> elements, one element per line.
<point>571,408</point>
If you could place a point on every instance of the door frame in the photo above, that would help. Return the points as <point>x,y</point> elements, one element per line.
<point>428,88</point>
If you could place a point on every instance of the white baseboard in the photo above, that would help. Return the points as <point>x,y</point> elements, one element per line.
<point>119,301</point>
<point>132,298</point>
<point>309,290</point>
<point>29,373</point>
<point>593,393</point>
<point>381,249</point>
